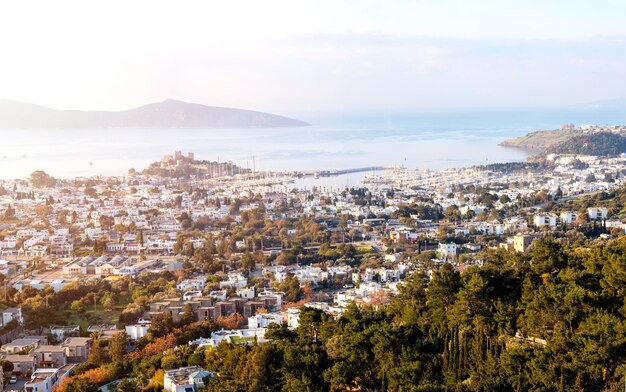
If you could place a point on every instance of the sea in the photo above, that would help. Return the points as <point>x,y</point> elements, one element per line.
<point>430,140</point>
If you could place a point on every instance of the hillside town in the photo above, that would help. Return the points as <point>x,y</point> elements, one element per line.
<point>188,242</point>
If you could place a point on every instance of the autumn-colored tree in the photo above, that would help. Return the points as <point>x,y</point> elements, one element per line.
<point>285,259</point>
<point>234,321</point>
<point>379,298</point>
<point>108,303</point>
<point>158,346</point>
<point>157,381</point>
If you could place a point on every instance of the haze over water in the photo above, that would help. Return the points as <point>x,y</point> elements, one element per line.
<point>434,141</point>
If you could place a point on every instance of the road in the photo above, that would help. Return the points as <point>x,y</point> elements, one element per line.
<point>15,387</point>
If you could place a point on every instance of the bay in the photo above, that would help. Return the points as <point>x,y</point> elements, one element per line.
<point>431,140</point>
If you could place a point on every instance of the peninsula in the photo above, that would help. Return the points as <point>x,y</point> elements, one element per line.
<point>167,114</point>
<point>586,139</point>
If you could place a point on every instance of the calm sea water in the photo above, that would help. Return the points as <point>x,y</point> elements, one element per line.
<point>428,140</point>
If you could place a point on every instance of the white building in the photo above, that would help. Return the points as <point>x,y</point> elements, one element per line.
<point>186,379</point>
<point>137,331</point>
<point>235,279</point>
<point>42,380</point>
<point>293,318</point>
<point>568,217</point>
<point>11,314</point>
<point>263,320</point>
<point>189,295</point>
<point>541,220</point>
<point>248,293</point>
<point>192,284</point>
<point>597,213</point>
<point>447,251</point>
<point>278,295</point>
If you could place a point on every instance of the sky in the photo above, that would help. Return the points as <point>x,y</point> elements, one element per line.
<point>306,58</point>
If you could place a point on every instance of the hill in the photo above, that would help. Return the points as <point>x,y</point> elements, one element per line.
<point>601,144</point>
<point>167,114</point>
<point>541,140</point>
<point>589,139</point>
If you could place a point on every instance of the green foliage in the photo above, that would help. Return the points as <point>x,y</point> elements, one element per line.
<point>162,324</point>
<point>7,366</point>
<point>117,346</point>
<point>81,385</point>
<point>291,287</point>
<point>127,385</point>
<point>602,144</point>
<point>97,356</point>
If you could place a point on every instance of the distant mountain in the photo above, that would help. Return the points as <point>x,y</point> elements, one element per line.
<point>166,114</point>
<point>618,103</point>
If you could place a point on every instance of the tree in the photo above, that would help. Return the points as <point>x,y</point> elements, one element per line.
<point>9,213</point>
<point>188,316</point>
<point>452,213</point>
<point>78,306</point>
<point>41,179</point>
<point>285,259</point>
<point>90,192</point>
<point>38,313</point>
<point>279,332</point>
<point>117,346</point>
<point>291,287</point>
<point>108,303</point>
<point>559,194</point>
<point>96,354</point>
<point>80,384</point>
<point>234,321</point>
<point>441,293</point>
<point>7,366</point>
<point>248,262</point>
<point>162,324</point>
<point>548,257</point>
<point>127,385</point>
<point>259,258</point>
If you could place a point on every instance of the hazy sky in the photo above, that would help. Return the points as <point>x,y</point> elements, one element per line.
<point>310,57</point>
